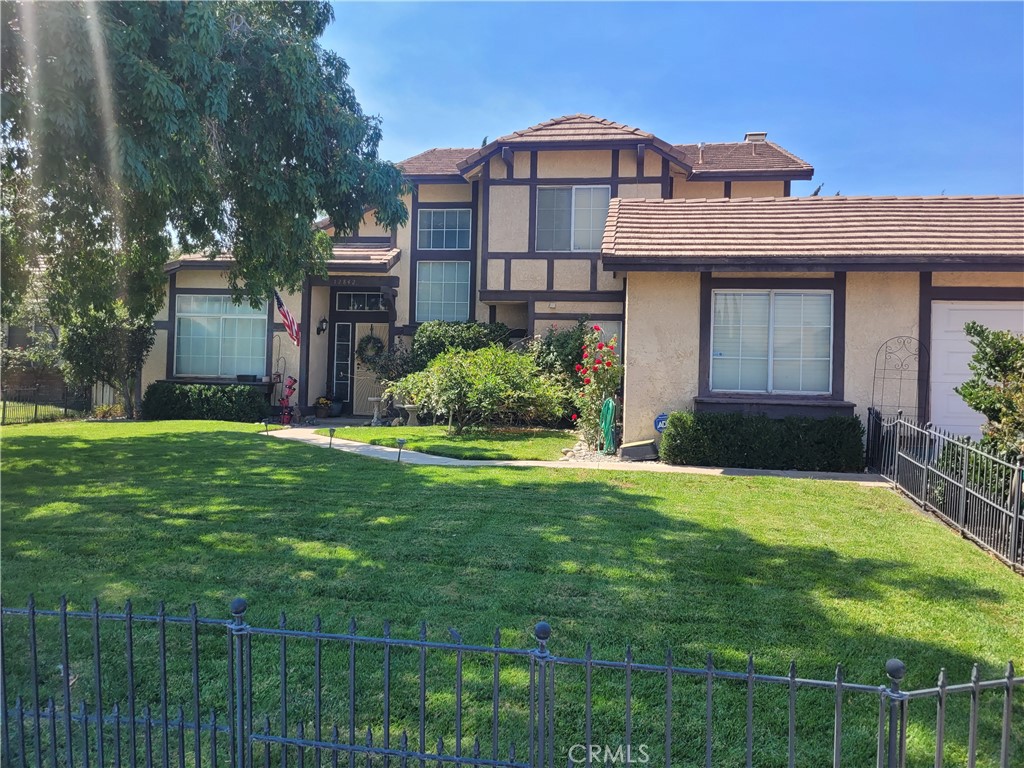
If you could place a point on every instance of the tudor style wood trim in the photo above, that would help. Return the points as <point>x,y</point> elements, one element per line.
<point>928,292</point>
<point>355,281</point>
<point>304,322</point>
<point>416,254</point>
<point>924,339</point>
<point>489,296</point>
<point>172,309</point>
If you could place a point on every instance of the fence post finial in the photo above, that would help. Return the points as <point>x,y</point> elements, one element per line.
<point>542,632</point>
<point>896,670</point>
<point>238,608</point>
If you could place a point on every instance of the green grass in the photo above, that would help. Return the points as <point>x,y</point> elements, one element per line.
<point>786,569</point>
<point>511,444</point>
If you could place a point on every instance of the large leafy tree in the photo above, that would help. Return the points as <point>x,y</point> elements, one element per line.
<point>130,126</point>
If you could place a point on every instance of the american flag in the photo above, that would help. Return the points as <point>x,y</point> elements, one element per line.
<point>289,322</point>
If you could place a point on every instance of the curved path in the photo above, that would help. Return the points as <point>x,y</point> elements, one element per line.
<point>308,436</point>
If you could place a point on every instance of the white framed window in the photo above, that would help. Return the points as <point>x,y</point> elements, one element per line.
<point>442,291</point>
<point>217,338</point>
<point>571,218</point>
<point>358,301</point>
<point>444,229</point>
<point>771,341</point>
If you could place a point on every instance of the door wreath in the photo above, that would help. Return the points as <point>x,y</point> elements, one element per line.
<point>369,348</point>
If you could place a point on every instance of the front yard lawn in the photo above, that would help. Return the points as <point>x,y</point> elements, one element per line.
<point>509,444</point>
<point>786,569</point>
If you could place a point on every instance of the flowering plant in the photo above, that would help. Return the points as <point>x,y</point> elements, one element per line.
<point>323,402</point>
<point>598,376</point>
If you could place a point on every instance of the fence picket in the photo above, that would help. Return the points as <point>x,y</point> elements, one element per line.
<point>250,743</point>
<point>977,493</point>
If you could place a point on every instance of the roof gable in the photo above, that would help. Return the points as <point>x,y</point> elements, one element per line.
<point>576,131</point>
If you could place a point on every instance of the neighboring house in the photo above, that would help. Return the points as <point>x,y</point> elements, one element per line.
<point>516,232</point>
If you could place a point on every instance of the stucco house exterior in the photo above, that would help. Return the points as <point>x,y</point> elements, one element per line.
<point>727,292</point>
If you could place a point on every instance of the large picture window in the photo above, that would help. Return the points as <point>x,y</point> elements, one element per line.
<point>772,342</point>
<point>216,338</point>
<point>571,218</point>
<point>442,291</point>
<point>444,229</point>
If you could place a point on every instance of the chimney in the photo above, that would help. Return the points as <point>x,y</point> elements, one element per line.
<point>755,136</point>
<point>700,153</point>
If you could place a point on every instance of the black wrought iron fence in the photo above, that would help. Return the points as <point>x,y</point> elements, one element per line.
<point>110,690</point>
<point>41,403</point>
<point>975,492</point>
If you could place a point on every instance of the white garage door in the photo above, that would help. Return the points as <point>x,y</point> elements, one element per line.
<point>951,351</point>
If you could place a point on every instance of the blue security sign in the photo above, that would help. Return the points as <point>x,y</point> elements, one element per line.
<point>660,422</point>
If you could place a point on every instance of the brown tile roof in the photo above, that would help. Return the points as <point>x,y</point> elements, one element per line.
<point>344,255</point>
<point>577,127</point>
<point>761,158</point>
<point>728,159</point>
<point>689,234</point>
<point>435,162</point>
<point>573,128</point>
<point>358,257</point>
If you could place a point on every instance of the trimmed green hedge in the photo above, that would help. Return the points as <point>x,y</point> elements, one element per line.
<point>834,444</point>
<point>234,402</point>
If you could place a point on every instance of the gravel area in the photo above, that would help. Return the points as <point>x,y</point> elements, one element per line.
<point>580,452</point>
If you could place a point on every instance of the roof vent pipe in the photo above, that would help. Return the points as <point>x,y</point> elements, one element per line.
<point>700,153</point>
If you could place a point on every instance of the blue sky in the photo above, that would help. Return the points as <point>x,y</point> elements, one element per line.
<point>908,99</point>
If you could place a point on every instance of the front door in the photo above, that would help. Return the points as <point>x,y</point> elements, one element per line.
<point>354,315</point>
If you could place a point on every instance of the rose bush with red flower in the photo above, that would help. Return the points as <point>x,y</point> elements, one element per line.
<point>600,378</point>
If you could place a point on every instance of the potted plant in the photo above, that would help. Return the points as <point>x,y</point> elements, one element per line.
<point>337,406</point>
<point>323,406</point>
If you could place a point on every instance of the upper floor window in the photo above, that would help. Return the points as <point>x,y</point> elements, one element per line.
<point>444,229</point>
<point>772,341</point>
<point>215,337</point>
<point>571,218</point>
<point>442,291</point>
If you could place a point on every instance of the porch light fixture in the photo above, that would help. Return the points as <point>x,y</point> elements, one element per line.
<point>321,327</point>
<point>401,442</point>
<point>330,442</point>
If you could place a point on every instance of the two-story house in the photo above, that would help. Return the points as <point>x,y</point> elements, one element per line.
<point>725,293</point>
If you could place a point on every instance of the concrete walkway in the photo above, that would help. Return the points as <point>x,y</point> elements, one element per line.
<point>308,436</point>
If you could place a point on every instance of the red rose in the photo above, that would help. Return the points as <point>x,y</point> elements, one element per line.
<point>600,345</point>
<point>597,327</point>
<point>586,380</point>
<point>611,346</point>
<point>608,364</point>
<point>574,417</point>
<point>586,355</point>
<point>579,367</point>
<point>597,360</point>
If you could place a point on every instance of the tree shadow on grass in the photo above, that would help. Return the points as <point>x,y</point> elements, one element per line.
<point>607,559</point>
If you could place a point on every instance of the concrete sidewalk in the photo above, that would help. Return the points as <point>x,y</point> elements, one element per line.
<point>308,436</point>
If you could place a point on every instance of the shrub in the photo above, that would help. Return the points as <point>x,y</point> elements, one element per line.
<point>235,402</point>
<point>489,386</point>
<point>558,351</point>
<point>597,374</point>
<point>434,337</point>
<point>996,387</point>
<point>834,444</point>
